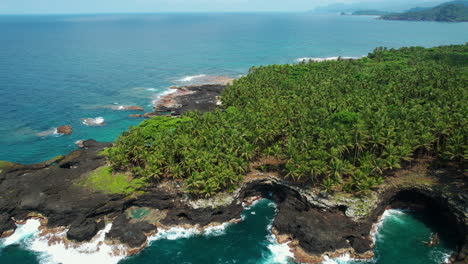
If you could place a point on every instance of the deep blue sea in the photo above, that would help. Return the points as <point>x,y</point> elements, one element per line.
<point>56,70</point>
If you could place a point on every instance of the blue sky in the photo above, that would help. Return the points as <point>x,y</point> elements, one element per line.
<point>130,6</point>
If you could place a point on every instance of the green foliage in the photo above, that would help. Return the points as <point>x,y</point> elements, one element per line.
<point>104,152</point>
<point>449,12</point>
<point>339,124</point>
<point>4,164</point>
<point>102,179</point>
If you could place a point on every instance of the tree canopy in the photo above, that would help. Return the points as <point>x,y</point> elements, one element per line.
<point>338,124</point>
<point>456,11</point>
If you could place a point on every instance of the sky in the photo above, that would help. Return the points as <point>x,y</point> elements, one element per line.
<point>149,6</point>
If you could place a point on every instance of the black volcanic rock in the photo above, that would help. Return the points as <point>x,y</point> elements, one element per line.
<point>132,234</point>
<point>6,223</point>
<point>202,216</point>
<point>321,231</point>
<point>318,223</point>
<point>83,229</point>
<point>201,98</point>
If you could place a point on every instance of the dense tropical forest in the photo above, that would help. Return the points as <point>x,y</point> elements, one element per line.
<point>455,11</point>
<point>336,124</point>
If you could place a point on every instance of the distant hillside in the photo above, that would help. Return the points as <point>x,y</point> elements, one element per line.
<point>418,9</point>
<point>394,6</point>
<point>455,11</point>
<point>370,13</point>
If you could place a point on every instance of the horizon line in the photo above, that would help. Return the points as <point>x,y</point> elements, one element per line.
<point>162,12</point>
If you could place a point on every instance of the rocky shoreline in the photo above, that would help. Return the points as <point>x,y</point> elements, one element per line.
<point>315,223</point>
<point>202,98</point>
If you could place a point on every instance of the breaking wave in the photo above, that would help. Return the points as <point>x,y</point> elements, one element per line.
<point>191,78</point>
<point>98,121</point>
<point>49,132</point>
<point>279,253</point>
<point>307,59</point>
<point>52,247</point>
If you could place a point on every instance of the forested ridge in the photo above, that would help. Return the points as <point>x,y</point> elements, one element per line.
<point>336,124</point>
<point>455,11</point>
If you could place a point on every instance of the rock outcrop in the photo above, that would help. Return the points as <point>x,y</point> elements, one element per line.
<point>134,108</point>
<point>318,223</point>
<point>203,98</point>
<point>65,130</point>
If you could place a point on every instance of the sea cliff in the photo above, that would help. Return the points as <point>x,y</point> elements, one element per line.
<point>317,223</point>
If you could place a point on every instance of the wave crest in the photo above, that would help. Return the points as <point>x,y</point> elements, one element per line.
<point>98,121</point>
<point>53,247</point>
<point>318,59</point>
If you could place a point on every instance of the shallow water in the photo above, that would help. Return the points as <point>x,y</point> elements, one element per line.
<point>56,70</point>
<point>398,240</point>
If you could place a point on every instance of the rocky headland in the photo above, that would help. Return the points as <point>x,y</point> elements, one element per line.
<point>315,222</point>
<point>202,97</point>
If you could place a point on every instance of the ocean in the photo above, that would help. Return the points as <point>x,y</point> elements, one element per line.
<point>56,70</point>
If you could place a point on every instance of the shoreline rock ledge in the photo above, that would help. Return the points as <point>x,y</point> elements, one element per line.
<point>316,223</point>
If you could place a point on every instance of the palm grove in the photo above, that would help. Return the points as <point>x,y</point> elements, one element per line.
<point>336,124</point>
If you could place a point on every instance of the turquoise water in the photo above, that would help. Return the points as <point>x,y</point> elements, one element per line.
<point>55,70</point>
<point>250,241</point>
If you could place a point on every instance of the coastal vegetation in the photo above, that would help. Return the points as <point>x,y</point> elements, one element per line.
<point>103,179</point>
<point>456,11</point>
<point>336,124</point>
<point>5,164</point>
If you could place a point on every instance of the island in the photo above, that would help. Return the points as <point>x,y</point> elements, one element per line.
<point>333,143</point>
<point>456,11</point>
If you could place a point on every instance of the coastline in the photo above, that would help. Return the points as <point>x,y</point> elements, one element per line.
<point>327,225</point>
<point>202,97</point>
<point>352,216</point>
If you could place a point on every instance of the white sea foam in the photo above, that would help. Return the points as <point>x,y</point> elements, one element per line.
<point>252,204</point>
<point>216,230</point>
<point>158,96</point>
<point>98,121</point>
<point>51,249</point>
<point>118,107</point>
<point>50,132</point>
<point>28,229</point>
<point>174,233</point>
<point>307,59</point>
<point>396,216</point>
<point>191,78</point>
<point>279,253</point>
<point>345,258</point>
<point>378,226</point>
<point>178,232</point>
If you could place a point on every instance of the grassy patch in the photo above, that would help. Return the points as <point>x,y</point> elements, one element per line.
<point>4,164</point>
<point>102,179</point>
<point>104,152</point>
<point>412,179</point>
